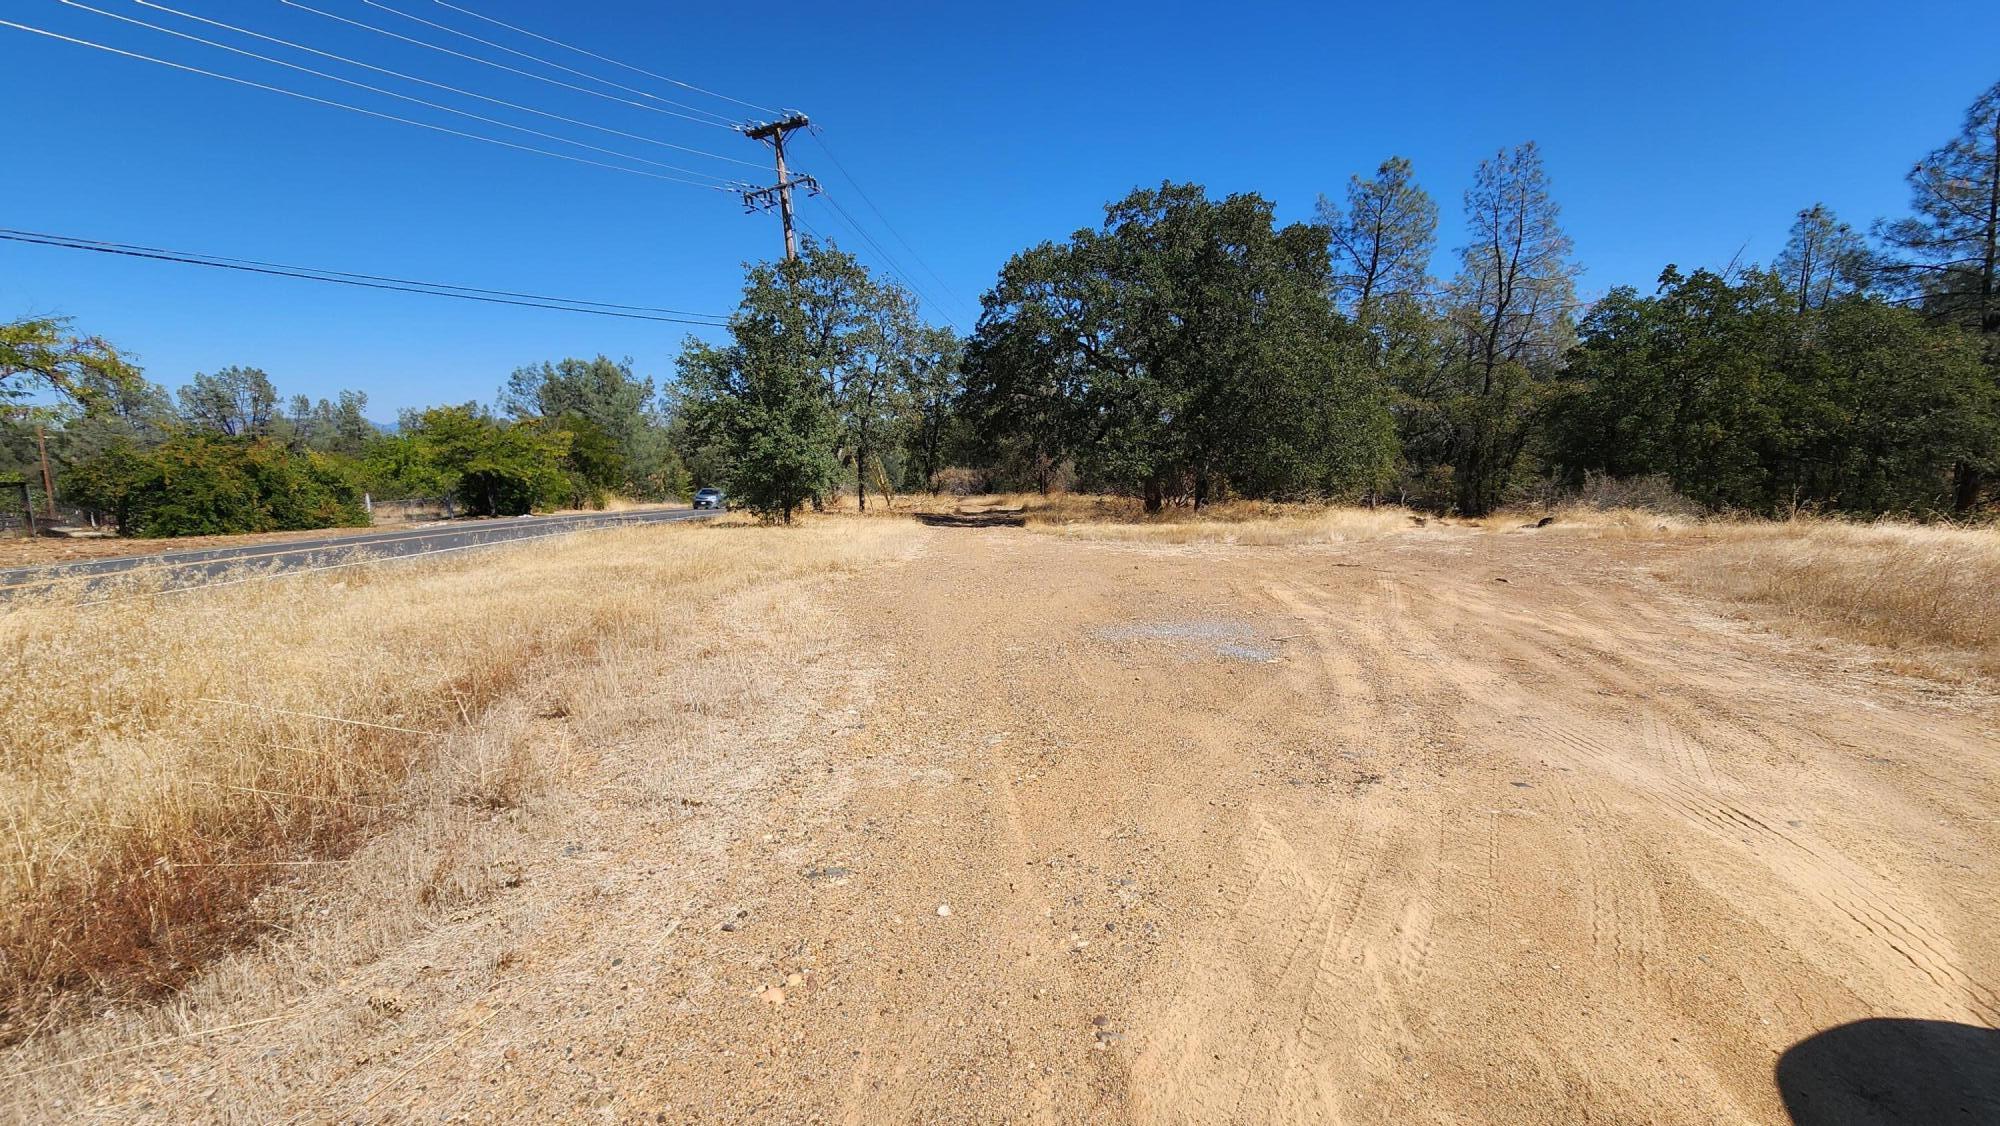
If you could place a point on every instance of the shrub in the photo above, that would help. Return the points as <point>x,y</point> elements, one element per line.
<point>199,484</point>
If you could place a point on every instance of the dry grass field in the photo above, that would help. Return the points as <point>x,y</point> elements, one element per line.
<point>167,757</point>
<point>1278,814</point>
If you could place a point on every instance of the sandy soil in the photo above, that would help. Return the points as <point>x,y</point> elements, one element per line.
<point>1444,827</point>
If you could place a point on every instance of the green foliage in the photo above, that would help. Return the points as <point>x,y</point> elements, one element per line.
<point>1512,313</point>
<point>763,403</point>
<point>200,484</point>
<point>1823,259</point>
<point>930,422</point>
<point>613,415</point>
<point>234,402</point>
<point>1382,243</point>
<point>1185,348</point>
<point>1948,249</point>
<point>490,467</point>
<point>39,354</point>
<point>1742,400</point>
<point>340,426</point>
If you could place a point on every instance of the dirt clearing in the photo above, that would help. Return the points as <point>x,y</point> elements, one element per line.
<point>1443,825</point>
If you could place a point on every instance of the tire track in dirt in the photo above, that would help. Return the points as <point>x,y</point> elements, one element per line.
<point>1689,786</point>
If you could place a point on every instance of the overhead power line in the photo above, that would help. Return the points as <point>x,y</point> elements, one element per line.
<point>607,59</point>
<point>888,260</point>
<point>441,85</point>
<point>355,109</point>
<point>371,281</point>
<point>427,104</point>
<point>427,45</point>
<point>720,121</point>
<point>819,137</point>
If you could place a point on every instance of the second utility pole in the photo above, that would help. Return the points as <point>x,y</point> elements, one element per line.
<point>48,481</point>
<point>781,192</point>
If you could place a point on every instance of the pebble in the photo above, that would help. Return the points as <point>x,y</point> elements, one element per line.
<point>944,910</point>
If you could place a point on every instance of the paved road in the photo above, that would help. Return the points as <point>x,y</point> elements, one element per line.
<point>192,568</point>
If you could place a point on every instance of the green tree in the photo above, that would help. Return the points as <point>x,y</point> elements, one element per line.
<point>1513,299</point>
<point>491,468</point>
<point>1187,347</point>
<point>41,354</point>
<point>764,401</point>
<point>1946,255</point>
<point>931,403</point>
<point>1823,259</point>
<point>1027,367</point>
<point>1687,383</point>
<point>873,386</point>
<point>234,402</point>
<point>1382,242</point>
<point>1725,387</point>
<point>338,426</point>
<point>616,402</point>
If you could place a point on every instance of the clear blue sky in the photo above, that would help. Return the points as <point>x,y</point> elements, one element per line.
<point>1673,132</point>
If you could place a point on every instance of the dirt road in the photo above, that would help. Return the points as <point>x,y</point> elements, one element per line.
<point>1444,827</point>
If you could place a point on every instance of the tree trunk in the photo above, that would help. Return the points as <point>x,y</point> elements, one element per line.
<point>1200,489</point>
<point>1965,492</point>
<point>1155,497</point>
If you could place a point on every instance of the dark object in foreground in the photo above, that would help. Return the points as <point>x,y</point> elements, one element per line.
<point>1915,1072</point>
<point>989,518</point>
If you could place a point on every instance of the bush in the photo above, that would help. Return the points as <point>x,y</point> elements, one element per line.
<point>199,485</point>
<point>1653,493</point>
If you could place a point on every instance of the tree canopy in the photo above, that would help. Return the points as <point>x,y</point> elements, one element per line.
<point>1186,346</point>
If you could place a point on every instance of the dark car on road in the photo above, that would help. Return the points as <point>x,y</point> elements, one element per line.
<point>711,498</point>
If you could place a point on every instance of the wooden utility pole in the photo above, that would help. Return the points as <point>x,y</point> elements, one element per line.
<point>48,482</point>
<point>761,199</point>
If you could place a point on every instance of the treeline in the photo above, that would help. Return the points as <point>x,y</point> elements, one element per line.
<point>1190,348</point>
<point>225,453</point>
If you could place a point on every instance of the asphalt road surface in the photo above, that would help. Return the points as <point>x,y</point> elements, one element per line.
<point>193,568</point>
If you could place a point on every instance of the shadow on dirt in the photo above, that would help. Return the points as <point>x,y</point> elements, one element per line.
<point>1893,1072</point>
<point>979,518</point>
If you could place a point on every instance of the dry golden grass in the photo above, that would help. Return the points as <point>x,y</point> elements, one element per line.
<point>1928,592</point>
<point>169,757</point>
<point>1124,519</point>
<point>1242,524</point>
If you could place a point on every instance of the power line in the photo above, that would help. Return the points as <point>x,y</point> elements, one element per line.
<point>489,62</point>
<point>819,137</point>
<point>607,59</point>
<point>369,277</point>
<point>720,121</point>
<point>441,85</point>
<point>368,281</point>
<point>559,139</point>
<point>352,109</point>
<point>888,259</point>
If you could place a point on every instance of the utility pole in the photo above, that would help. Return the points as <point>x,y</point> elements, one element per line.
<point>761,199</point>
<point>48,482</point>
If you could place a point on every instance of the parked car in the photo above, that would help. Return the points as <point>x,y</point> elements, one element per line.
<point>711,498</point>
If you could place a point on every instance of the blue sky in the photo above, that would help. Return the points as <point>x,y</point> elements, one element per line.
<point>1673,133</point>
